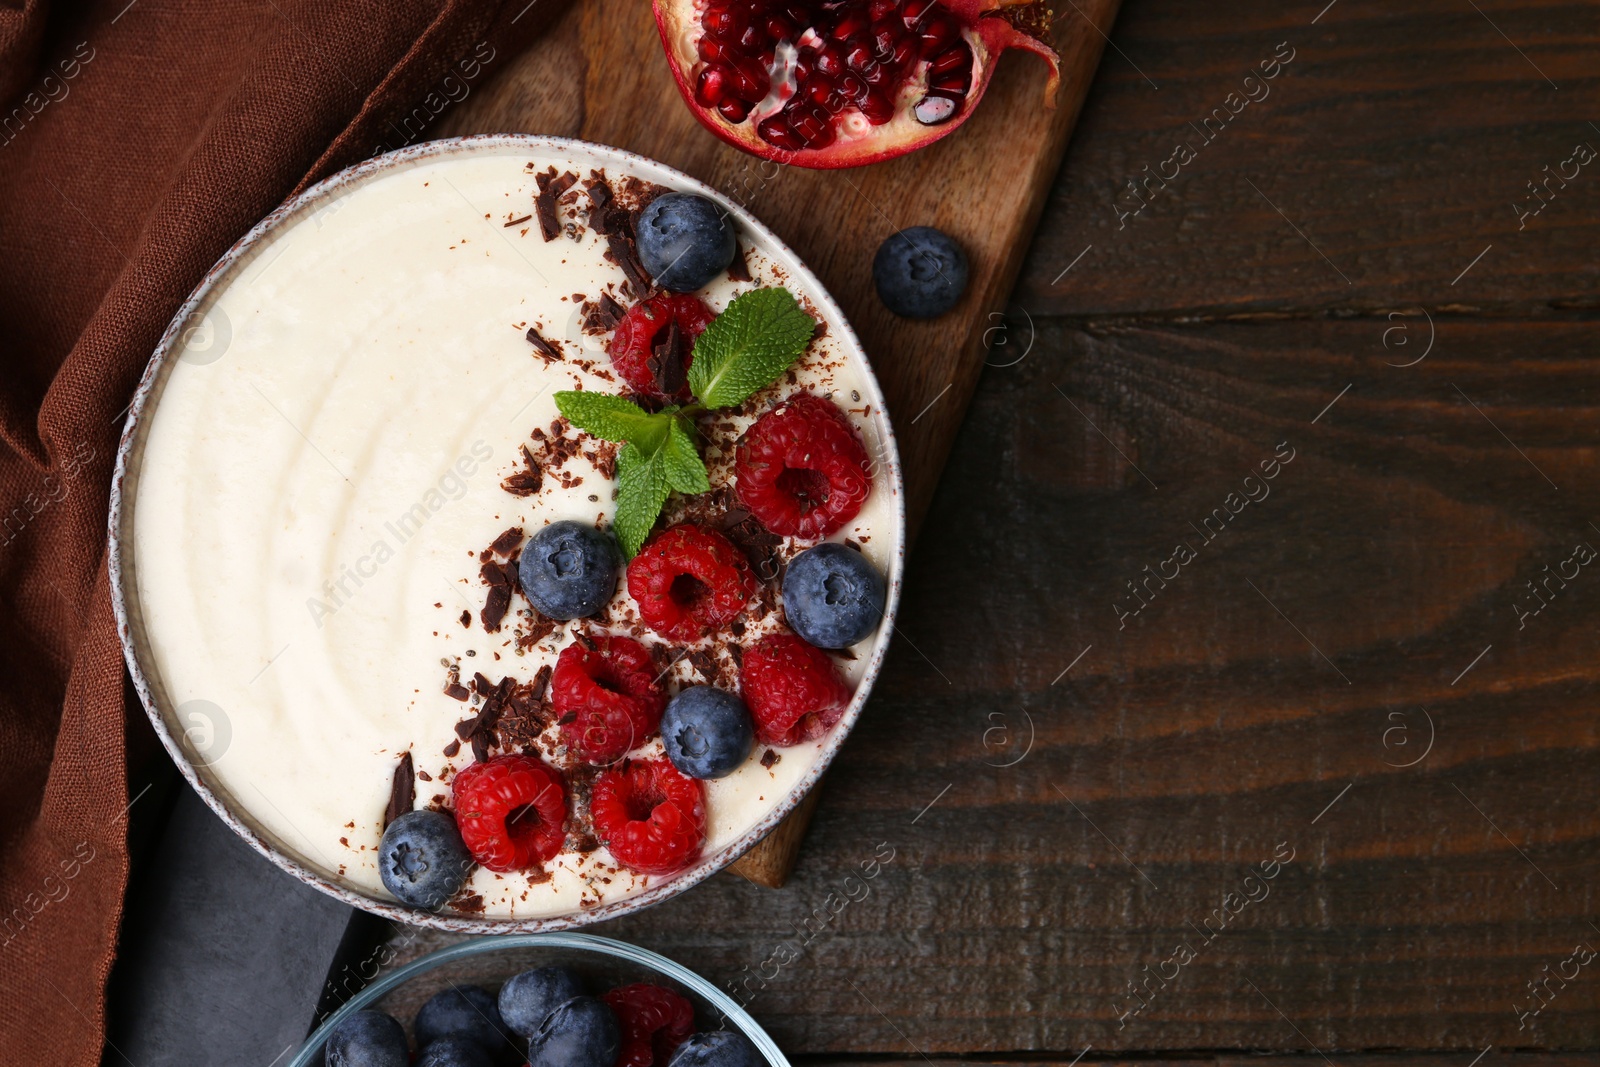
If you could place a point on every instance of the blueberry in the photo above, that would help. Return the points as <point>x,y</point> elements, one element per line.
<point>717,1048</point>
<point>569,570</point>
<point>454,1052</point>
<point>583,1032</point>
<point>707,732</point>
<point>527,1000</point>
<point>367,1039</point>
<point>685,241</point>
<point>832,596</point>
<point>920,273</point>
<point>466,1011</point>
<point>422,859</point>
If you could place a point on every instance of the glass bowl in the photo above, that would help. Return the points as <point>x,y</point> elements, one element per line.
<point>489,961</point>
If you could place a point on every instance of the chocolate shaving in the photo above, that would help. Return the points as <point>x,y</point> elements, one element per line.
<point>583,639</point>
<point>464,728</point>
<point>737,652</point>
<point>517,222</point>
<point>615,223</point>
<point>495,607</point>
<point>480,748</point>
<point>506,543</point>
<point>739,269</point>
<point>457,691</point>
<point>466,619</point>
<point>549,350</point>
<point>770,758</point>
<point>467,902</point>
<point>402,791</point>
<point>451,749</point>
<point>541,682</point>
<point>610,312</point>
<point>544,205</point>
<point>703,663</point>
<point>601,201</point>
<point>524,715</point>
<point>620,250</point>
<point>525,482</point>
<point>665,361</point>
<point>758,543</point>
<point>500,577</point>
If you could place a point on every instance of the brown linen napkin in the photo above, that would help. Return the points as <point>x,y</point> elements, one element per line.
<point>141,139</point>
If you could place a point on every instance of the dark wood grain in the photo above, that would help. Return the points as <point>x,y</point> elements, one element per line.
<point>1397,140</point>
<point>599,74</point>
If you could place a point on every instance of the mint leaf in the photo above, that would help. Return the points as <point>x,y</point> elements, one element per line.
<point>748,346</point>
<point>641,490</point>
<point>613,418</point>
<point>684,469</point>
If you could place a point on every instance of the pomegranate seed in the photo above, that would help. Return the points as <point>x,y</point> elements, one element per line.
<point>852,24</point>
<point>939,34</point>
<point>955,83</point>
<point>814,126</point>
<point>916,11</point>
<point>780,28</point>
<point>830,61</point>
<point>957,58</point>
<point>734,110</point>
<point>859,57</point>
<point>712,50</point>
<point>878,108</point>
<point>752,38</point>
<point>931,110</point>
<point>775,131</point>
<point>905,54</point>
<point>884,39</point>
<point>724,22</point>
<point>878,76</point>
<point>878,10</point>
<point>820,88</point>
<point>712,86</point>
<point>750,81</point>
<point>853,87</point>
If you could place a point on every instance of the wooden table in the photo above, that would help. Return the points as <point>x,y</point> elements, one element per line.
<point>1087,744</point>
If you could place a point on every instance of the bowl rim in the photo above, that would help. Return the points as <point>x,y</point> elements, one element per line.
<point>120,554</point>
<point>604,946</point>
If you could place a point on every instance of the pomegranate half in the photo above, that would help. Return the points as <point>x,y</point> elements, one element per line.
<point>841,83</point>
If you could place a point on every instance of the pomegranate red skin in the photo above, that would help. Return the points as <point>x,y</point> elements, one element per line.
<point>991,34</point>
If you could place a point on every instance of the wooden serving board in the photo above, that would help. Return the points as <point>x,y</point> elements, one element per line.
<point>598,73</point>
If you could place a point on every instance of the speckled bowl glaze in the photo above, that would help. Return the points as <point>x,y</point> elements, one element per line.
<point>124,493</point>
<point>601,962</point>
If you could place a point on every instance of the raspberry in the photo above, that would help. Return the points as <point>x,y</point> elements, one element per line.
<point>512,812</point>
<point>652,817</point>
<point>655,1021</point>
<point>793,691</point>
<point>643,328</point>
<point>606,700</point>
<point>688,581</point>
<point>801,468</point>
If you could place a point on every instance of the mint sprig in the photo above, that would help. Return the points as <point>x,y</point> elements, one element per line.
<point>745,349</point>
<point>748,346</point>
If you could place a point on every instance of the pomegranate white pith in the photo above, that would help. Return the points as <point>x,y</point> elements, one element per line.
<point>841,83</point>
